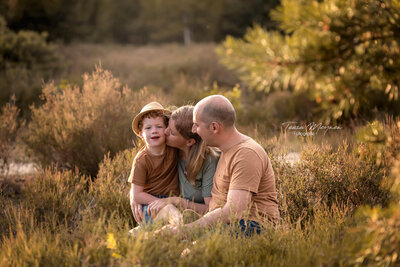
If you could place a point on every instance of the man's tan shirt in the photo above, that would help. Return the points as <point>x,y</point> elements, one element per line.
<point>246,166</point>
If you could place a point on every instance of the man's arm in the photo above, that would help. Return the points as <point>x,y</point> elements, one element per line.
<point>238,201</point>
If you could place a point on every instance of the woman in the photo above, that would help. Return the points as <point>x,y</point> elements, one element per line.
<point>196,167</point>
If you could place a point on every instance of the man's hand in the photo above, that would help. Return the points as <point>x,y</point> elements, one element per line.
<point>173,229</point>
<point>156,206</point>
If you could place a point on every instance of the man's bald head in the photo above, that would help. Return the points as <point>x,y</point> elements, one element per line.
<point>216,108</point>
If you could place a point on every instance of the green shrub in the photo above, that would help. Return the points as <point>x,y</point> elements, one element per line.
<point>26,59</point>
<point>77,127</point>
<point>347,69</point>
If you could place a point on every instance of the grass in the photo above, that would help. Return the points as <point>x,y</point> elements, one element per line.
<point>62,218</point>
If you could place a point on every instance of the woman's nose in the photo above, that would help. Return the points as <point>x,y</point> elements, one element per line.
<point>166,131</point>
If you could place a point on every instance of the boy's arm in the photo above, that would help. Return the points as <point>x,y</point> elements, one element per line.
<point>136,208</point>
<point>141,197</point>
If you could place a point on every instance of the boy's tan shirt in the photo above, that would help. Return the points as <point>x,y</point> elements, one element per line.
<point>157,174</point>
<point>246,166</point>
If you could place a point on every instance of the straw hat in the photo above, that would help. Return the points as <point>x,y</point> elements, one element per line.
<point>153,106</point>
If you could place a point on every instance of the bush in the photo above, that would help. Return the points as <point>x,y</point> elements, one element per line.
<point>56,197</point>
<point>375,238</point>
<point>26,59</point>
<point>9,126</point>
<point>327,176</point>
<point>77,127</point>
<point>110,192</point>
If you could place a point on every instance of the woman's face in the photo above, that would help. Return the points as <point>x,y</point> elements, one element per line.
<point>174,138</point>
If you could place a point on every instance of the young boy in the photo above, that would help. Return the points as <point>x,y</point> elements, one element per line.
<point>154,170</point>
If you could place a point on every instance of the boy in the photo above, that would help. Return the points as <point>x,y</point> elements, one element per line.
<point>154,170</point>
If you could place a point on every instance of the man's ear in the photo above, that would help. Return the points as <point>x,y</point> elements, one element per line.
<point>190,142</point>
<point>215,127</point>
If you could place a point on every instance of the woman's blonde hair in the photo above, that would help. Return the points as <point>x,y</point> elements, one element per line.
<point>199,151</point>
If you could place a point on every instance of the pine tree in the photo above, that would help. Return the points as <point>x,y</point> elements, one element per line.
<point>343,53</point>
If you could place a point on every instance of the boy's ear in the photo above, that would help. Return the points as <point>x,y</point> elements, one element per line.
<point>140,134</point>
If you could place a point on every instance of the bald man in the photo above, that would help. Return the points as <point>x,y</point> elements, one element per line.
<point>244,182</point>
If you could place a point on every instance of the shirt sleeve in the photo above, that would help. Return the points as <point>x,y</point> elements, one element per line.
<point>208,176</point>
<point>246,171</point>
<point>138,172</point>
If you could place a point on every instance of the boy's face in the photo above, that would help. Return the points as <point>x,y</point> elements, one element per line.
<point>153,132</point>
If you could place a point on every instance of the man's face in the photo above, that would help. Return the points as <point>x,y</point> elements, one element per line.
<point>202,129</point>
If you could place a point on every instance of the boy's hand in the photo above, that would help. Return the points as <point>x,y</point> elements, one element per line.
<point>156,206</point>
<point>137,212</point>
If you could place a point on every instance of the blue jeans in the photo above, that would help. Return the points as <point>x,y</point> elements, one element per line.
<point>249,227</point>
<point>146,217</point>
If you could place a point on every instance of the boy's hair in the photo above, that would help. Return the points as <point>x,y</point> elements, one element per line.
<point>153,114</point>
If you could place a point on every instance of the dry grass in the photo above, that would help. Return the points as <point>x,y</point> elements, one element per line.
<point>151,66</point>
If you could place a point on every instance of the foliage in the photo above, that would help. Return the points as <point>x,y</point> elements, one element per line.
<point>375,237</point>
<point>326,177</point>
<point>26,59</point>
<point>9,126</point>
<point>375,241</point>
<point>109,192</point>
<point>343,54</point>
<point>140,21</point>
<point>76,127</point>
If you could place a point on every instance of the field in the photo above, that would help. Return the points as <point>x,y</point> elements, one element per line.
<point>338,190</point>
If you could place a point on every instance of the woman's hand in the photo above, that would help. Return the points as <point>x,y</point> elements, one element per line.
<point>156,206</point>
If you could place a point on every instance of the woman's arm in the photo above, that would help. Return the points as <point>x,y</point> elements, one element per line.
<point>181,203</point>
<point>186,204</point>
